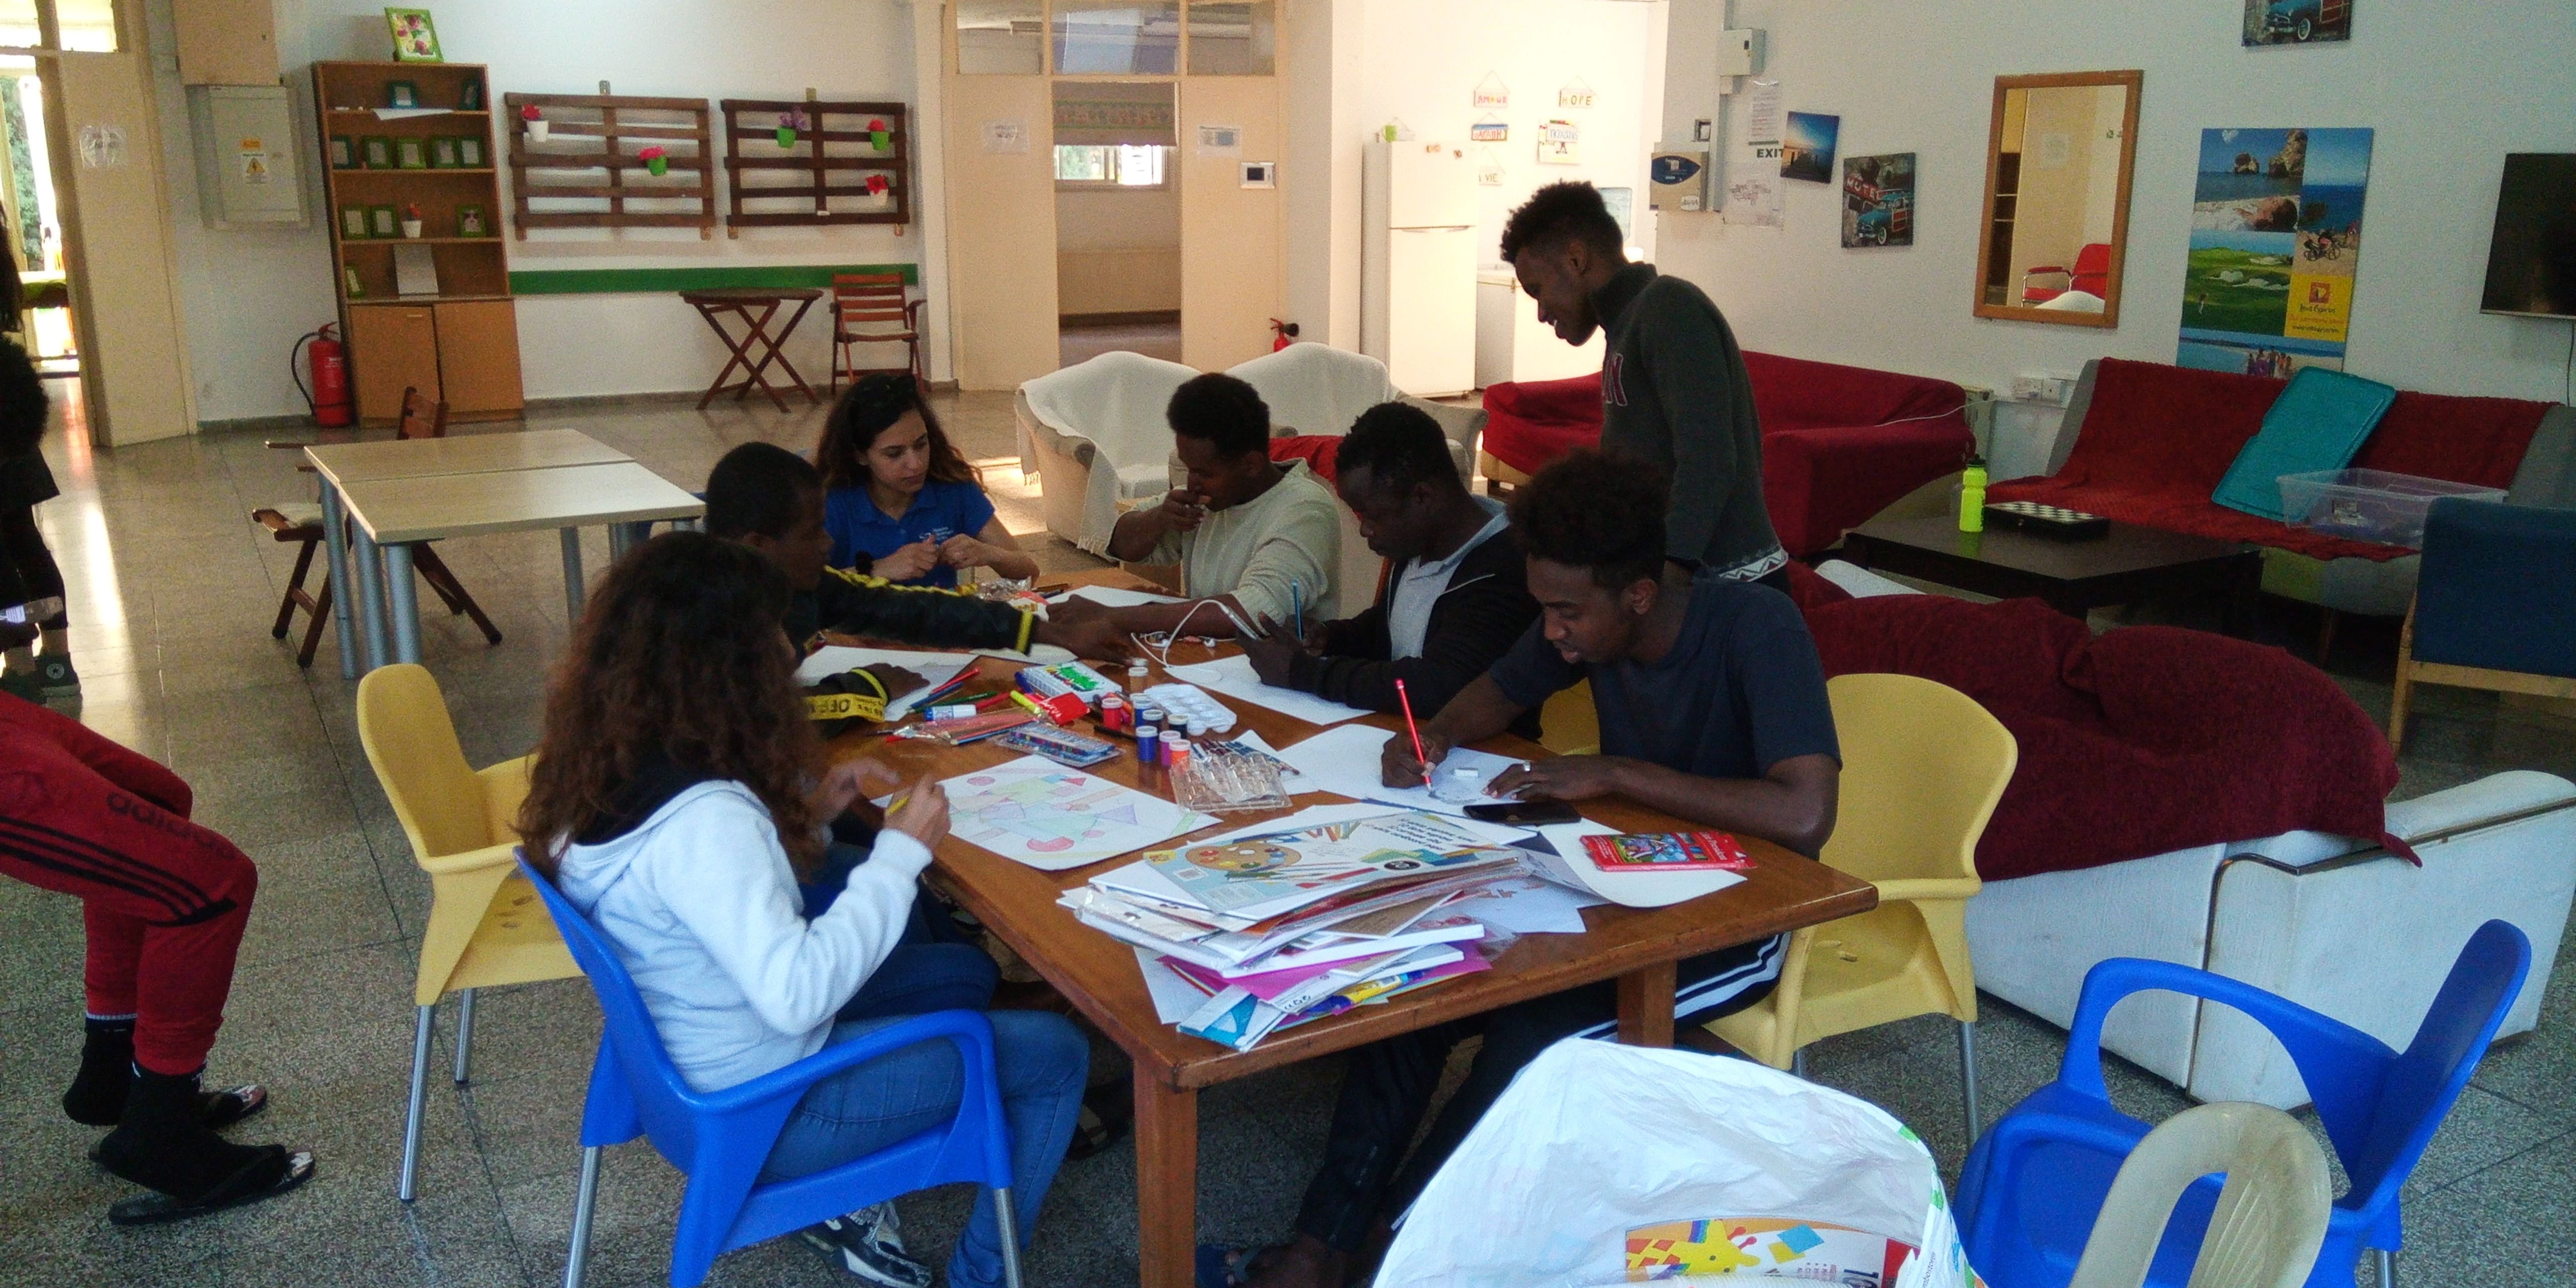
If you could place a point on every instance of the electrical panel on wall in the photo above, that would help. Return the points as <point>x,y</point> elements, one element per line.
<point>249,169</point>
<point>1739,52</point>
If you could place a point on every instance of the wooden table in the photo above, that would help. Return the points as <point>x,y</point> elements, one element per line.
<point>2123,566</point>
<point>1636,947</point>
<point>394,514</point>
<point>339,463</point>
<point>755,305</point>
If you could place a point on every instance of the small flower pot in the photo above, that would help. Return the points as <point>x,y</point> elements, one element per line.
<point>411,228</point>
<point>537,130</point>
<point>787,136</point>
<point>657,166</point>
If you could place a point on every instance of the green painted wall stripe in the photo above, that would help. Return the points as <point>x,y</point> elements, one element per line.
<point>664,281</point>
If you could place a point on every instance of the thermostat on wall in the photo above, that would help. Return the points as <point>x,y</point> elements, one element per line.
<point>1260,174</point>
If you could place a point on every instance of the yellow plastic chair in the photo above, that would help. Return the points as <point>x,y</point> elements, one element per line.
<point>1923,766</point>
<point>2270,1222</point>
<point>487,925</point>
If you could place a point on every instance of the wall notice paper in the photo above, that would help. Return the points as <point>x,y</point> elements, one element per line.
<point>1234,677</point>
<point>1756,195</point>
<point>936,668</point>
<point>1344,762</point>
<point>1006,136</point>
<point>1035,811</point>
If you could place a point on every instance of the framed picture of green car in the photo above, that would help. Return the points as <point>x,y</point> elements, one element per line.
<point>344,152</point>
<point>470,222</point>
<point>442,154</point>
<point>376,152</point>
<point>469,152</point>
<point>380,222</point>
<point>411,154</point>
<point>353,222</point>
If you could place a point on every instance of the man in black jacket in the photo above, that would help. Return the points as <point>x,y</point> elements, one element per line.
<point>1457,595</point>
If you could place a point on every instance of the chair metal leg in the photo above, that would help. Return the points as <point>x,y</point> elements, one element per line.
<point>1010,1226</point>
<point>1798,1063</point>
<point>1968,1075</point>
<point>409,1184</point>
<point>464,1033</point>
<point>584,1199</point>
<point>2387,1267</point>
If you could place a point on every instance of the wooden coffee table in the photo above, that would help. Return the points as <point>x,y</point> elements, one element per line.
<point>2123,566</point>
<point>1636,947</point>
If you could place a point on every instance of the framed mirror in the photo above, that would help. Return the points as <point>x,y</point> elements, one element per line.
<point>2058,161</point>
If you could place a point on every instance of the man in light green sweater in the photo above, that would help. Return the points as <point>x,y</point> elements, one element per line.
<point>1255,540</point>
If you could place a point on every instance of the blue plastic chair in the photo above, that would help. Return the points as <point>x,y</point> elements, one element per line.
<point>2034,1183</point>
<point>720,1139</point>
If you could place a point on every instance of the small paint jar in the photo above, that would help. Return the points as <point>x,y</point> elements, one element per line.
<point>1176,752</point>
<point>1149,743</point>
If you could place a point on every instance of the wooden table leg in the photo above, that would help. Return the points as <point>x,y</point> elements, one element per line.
<point>713,313</point>
<point>1167,1176</point>
<point>758,337</point>
<point>777,352</point>
<point>1646,1006</point>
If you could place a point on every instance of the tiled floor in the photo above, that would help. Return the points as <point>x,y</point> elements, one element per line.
<point>173,592</point>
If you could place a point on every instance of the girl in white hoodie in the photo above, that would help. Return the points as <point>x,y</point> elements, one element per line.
<point>674,802</point>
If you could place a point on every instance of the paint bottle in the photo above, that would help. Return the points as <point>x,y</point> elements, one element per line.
<point>1114,713</point>
<point>1136,676</point>
<point>1972,495</point>
<point>1176,752</point>
<point>1149,743</point>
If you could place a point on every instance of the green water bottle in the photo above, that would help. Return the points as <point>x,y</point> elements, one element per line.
<point>1972,495</point>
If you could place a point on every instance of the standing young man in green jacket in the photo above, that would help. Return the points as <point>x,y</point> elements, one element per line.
<point>1673,385</point>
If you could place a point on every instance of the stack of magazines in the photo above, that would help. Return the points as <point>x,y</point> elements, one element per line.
<point>1279,928</point>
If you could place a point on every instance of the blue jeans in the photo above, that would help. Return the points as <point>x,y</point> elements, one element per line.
<point>1041,1060</point>
<point>932,967</point>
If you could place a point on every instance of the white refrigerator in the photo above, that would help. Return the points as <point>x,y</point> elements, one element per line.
<point>1418,265</point>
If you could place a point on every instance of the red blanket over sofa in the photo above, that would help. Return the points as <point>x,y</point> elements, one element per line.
<point>2157,439</point>
<point>2137,742</point>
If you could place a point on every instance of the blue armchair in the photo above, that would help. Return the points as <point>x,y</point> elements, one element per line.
<point>2495,607</point>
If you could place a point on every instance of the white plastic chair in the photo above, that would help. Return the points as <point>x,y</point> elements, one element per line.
<point>2271,1215</point>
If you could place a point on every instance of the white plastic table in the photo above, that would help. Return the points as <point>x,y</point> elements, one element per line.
<point>394,514</point>
<point>343,463</point>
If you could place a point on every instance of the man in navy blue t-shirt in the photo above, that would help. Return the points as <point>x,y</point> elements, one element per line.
<point>1713,709</point>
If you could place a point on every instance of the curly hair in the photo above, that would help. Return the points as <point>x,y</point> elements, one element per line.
<point>1400,445</point>
<point>1568,210</point>
<point>871,407</point>
<point>761,488</point>
<point>679,656</point>
<point>1602,513</point>
<point>1222,410</point>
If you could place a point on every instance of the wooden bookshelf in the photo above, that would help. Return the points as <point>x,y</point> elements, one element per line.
<point>460,344</point>
<point>586,173</point>
<point>822,178</point>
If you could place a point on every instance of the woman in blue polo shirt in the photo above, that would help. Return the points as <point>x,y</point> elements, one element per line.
<point>899,500</point>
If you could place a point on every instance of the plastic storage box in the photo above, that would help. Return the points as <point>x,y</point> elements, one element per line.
<point>2370,505</point>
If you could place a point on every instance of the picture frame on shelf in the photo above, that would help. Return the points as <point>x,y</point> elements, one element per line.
<point>469,153</point>
<point>344,152</point>
<point>442,154</point>
<point>469,98</point>
<point>402,94</point>
<point>415,38</point>
<point>470,222</point>
<point>353,222</point>
<point>349,280</point>
<point>382,222</point>
<point>411,154</point>
<point>377,152</point>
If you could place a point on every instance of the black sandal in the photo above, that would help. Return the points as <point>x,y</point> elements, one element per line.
<point>1107,1112</point>
<point>224,1108</point>
<point>273,1173</point>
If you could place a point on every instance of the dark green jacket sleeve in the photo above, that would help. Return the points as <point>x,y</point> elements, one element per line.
<point>854,603</point>
<point>1691,359</point>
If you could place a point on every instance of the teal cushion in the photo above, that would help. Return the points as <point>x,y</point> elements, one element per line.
<point>2318,423</point>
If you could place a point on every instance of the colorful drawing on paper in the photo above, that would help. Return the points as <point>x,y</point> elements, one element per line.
<point>1048,816</point>
<point>2276,223</point>
<point>1764,1248</point>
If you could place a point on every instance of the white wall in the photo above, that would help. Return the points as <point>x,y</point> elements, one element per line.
<point>1089,219</point>
<point>2448,99</point>
<point>248,294</point>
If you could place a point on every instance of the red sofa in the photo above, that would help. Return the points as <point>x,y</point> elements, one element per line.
<point>1839,444</point>
<point>2152,442</point>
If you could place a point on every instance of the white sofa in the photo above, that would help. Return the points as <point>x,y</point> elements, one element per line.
<point>2338,925</point>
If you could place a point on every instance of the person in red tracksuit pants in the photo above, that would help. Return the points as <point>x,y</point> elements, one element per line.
<point>164,902</point>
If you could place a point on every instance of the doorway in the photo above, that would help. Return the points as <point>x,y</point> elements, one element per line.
<point>31,223</point>
<point>1117,219</point>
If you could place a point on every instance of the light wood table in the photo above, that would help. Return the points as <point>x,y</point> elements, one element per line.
<point>394,514</point>
<point>1638,948</point>
<point>342,463</point>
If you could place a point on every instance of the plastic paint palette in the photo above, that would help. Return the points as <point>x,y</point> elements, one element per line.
<point>1058,745</point>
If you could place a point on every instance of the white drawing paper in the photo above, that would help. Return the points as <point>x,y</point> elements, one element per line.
<point>1035,811</point>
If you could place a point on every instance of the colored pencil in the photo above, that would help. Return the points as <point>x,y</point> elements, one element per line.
<point>1415,730</point>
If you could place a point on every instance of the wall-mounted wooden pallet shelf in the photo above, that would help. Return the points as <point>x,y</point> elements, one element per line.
<point>821,178</point>
<point>586,173</point>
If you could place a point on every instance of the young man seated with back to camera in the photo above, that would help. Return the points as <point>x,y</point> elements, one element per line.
<point>1455,597</point>
<point>1713,710</point>
<point>771,499</point>
<point>1254,539</point>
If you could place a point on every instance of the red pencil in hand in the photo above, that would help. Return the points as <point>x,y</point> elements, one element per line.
<point>1414,729</point>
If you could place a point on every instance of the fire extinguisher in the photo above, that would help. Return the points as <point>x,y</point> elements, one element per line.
<point>328,397</point>
<point>1282,334</point>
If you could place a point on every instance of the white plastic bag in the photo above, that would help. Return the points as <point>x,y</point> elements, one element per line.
<point>1594,1140</point>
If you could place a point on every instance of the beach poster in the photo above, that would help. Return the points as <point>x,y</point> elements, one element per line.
<point>2276,224</point>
